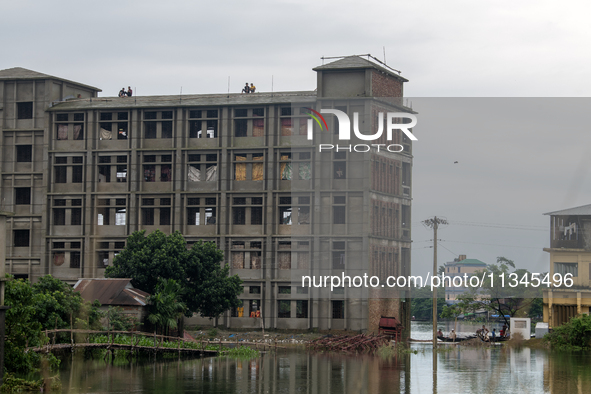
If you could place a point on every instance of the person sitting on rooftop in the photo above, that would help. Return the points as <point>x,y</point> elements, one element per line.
<point>129,91</point>
<point>122,92</point>
<point>252,88</point>
<point>246,88</point>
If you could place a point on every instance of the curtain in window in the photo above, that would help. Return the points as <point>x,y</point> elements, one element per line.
<point>284,260</point>
<point>62,132</point>
<point>212,173</point>
<point>194,174</point>
<point>303,126</point>
<point>257,169</point>
<point>255,260</point>
<point>285,127</point>
<point>58,258</point>
<point>285,169</point>
<point>305,171</point>
<point>77,130</point>
<point>303,260</point>
<point>238,260</point>
<point>105,134</point>
<point>258,127</point>
<point>240,169</point>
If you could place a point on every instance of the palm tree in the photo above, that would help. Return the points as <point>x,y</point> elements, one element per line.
<point>166,309</point>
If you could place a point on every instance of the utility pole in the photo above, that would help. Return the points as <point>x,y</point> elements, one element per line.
<point>434,224</point>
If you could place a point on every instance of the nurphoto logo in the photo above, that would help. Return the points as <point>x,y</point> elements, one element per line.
<point>345,129</point>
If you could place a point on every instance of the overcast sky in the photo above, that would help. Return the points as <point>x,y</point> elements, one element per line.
<point>505,175</point>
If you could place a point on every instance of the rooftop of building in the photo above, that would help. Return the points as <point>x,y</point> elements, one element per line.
<point>583,210</point>
<point>356,62</point>
<point>186,100</point>
<point>20,73</point>
<point>111,291</point>
<point>463,261</point>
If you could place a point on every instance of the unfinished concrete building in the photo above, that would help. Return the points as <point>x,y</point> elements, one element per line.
<point>81,173</point>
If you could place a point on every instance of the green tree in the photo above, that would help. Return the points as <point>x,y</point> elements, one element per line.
<point>509,298</point>
<point>421,306</point>
<point>207,288</point>
<point>165,306</point>
<point>34,308</point>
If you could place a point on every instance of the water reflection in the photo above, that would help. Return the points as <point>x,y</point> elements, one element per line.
<point>461,369</point>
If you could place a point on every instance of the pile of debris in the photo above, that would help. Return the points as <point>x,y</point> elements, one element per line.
<point>358,343</point>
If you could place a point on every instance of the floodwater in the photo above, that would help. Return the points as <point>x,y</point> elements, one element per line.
<point>457,370</point>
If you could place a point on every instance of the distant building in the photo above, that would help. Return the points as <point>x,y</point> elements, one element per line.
<point>83,172</point>
<point>570,253</point>
<point>459,267</point>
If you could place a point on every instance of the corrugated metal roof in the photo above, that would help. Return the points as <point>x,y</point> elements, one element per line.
<point>188,100</point>
<point>582,210</point>
<point>111,291</point>
<point>356,62</point>
<point>24,73</point>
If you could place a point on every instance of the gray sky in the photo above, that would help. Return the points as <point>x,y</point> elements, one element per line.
<point>446,49</point>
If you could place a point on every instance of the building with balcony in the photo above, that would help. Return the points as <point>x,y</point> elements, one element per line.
<point>82,172</point>
<point>570,253</point>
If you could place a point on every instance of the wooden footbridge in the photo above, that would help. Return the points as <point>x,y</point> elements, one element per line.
<point>161,344</point>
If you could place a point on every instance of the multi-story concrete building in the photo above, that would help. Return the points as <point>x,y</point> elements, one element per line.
<point>81,173</point>
<point>459,267</point>
<point>570,253</point>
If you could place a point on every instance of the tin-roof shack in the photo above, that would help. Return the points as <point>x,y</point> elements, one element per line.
<point>115,292</point>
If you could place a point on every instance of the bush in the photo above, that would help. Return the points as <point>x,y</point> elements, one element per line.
<point>574,335</point>
<point>212,332</point>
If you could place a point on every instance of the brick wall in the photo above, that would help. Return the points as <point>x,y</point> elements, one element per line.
<point>385,86</point>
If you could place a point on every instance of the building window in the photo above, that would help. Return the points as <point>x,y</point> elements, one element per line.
<point>24,153</point>
<point>338,255</point>
<point>156,125</point>
<point>340,165</point>
<point>112,168</point>
<point>254,289</point>
<point>157,168</point>
<point>566,268</point>
<point>298,163</point>
<point>73,130</point>
<point>247,210</point>
<point>109,125</point>
<point>294,121</point>
<point>302,309</point>
<point>338,309</point>
<point>284,255</point>
<point>22,196</point>
<point>290,213</point>
<point>201,211</point>
<point>111,211</point>
<point>153,208</point>
<point>249,166</point>
<point>284,289</point>
<point>202,167</point>
<point>21,238</point>
<point>249,122</point>
<point>284,309</point>
<point>200,120</point>
<point>339,210</point>
<point>25,110</point>
<point>107,251</point>
<point>74,259</point>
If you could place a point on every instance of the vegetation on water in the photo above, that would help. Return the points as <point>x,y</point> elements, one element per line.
<point>45,305</point>
<point>574,335</point>
<point>207,287</point>
<point>11,384</point>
